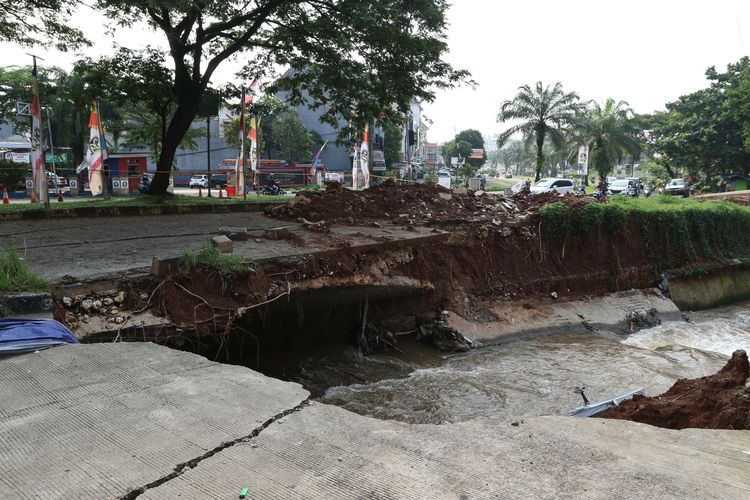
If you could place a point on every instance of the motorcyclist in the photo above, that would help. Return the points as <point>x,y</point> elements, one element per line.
<point>601,189</point>
<point>272,184</point>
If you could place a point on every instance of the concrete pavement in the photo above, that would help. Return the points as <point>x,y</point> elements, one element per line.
<point>115,420</point>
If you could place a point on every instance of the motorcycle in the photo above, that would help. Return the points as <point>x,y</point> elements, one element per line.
<point>144,185</point>
<point>600,195</point>
<point>272,190</point>
<point>633,191</point>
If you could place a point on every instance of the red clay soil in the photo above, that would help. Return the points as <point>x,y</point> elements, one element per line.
<point>719,401</point>
<point>406,204</point>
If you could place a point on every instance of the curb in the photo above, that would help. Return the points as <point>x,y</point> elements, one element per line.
<point>127,210</point>
<point>27,302</point>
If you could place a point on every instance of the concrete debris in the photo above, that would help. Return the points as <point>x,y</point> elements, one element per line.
<point>120,297</point>
<point>67,302</point>
<point>108,301</point>
<point>87,305</point>
<point>222,243</point>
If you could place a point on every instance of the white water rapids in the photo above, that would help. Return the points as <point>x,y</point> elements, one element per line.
<point>533,376</point>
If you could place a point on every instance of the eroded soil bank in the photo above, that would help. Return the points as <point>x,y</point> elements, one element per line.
<point>719,401</point>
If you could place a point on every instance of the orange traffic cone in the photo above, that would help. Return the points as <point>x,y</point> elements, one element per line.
<point>33,197</point>
<point>59,195</point>
<point>6,200</point>
<point>220,195</point>
<point>200,192</point>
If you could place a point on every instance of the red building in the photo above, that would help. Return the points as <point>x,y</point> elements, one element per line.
<point>130,166</point>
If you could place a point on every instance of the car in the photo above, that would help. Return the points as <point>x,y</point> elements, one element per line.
<point>199,181</point>
<point>562,186</point>
<point>611,179</point>
<point>218,181</point>
<point>619,186</point>
<point>677,187</point>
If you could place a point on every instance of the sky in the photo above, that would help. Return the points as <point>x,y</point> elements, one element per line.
<point>646,52</point>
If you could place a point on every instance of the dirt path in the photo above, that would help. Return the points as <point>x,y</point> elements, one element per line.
<point>95,246</point>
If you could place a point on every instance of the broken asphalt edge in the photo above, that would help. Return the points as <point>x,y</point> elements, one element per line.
<point>181,468</point>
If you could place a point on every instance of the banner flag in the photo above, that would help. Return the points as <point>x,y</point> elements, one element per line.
<point>37,155</point>
<point>364,158</point>
<point>355,166</point>
<point>94,153</point>
<point>253,136</point>
<point>317,158</point>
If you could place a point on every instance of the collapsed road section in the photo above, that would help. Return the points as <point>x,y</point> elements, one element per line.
<point>365,267</point>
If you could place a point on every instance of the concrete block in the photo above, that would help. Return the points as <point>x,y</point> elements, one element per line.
<point>159,268</point>
<point>223,243</point>
<point>278,233</point>
<point>445,196</point>
<point>235,233</point>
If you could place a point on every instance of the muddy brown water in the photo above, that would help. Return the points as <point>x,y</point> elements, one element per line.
<point>526,376</point>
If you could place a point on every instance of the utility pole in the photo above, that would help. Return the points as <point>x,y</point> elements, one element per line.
<point>208,151</point>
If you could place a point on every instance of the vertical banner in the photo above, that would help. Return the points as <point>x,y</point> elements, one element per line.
<point>317,158</point>
<point>37,155</point>
<point>583,159</point>
<point>364,157</point>
<point>94,153</point>
<point>240,171</point>
<point>355,166</point>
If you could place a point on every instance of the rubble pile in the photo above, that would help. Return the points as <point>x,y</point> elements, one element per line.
<point>402,204</point>
<point>719,401</point>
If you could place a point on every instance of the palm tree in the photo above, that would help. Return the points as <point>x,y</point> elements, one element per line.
<point>546,113</point>
<point>610,133</point>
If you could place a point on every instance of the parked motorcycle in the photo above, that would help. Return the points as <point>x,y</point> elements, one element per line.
<point>600,195</point>
<point>633,191</point>
<point>144,184</point>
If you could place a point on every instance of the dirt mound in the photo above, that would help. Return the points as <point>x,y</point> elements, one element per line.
<point>719,401</point>
<point>404,204</point>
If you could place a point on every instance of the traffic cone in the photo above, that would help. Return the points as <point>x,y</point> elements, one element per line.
<point>6,200</point>
<point>200,192</point>
<point>33,196</point>
<point>220,195</point>
<point>59,195</point>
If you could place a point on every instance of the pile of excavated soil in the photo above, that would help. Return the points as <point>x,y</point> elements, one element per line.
<point>719,401</point>
<point>403,204</point>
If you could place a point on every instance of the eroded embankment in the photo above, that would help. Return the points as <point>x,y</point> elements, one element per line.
<point>719,401</point>
<point>483,249</point>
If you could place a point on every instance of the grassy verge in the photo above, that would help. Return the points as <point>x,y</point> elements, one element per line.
<point>674,230</point>
<point>15,275</point>
<point>209,256</point>
<point>141,200</point>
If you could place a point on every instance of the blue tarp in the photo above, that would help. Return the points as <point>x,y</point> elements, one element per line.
<point>25,335</point>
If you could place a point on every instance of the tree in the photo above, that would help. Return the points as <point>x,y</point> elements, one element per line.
<point>392,142</point>
<point>546,112</point>
<point>455,149</point>
<point>356,57</point>
<point>291,138</point>
<point>473,137</point>
<point>610,134</point>
<point>266,110</point>
<point>706,131</point>
<point>139,84</point>
<point>30,22</point>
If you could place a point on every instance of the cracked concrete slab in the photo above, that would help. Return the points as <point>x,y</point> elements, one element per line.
<point>326,452</point>
<point>102,420</point>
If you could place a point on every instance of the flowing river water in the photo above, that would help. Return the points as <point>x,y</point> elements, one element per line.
<point>526,376</point>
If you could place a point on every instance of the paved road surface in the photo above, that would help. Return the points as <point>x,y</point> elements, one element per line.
<point>101,420</point>
<point>85,247</point>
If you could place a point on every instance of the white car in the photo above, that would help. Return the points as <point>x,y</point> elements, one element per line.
<point>199,181</point>
<point>562,186</point>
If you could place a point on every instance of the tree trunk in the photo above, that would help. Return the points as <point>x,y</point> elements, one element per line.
<point>178,127</point>
<point>539,154</point>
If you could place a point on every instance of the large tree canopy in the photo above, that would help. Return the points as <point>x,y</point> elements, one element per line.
<point>30,22</point>
<point>355,57</point>
<point>707,131</point>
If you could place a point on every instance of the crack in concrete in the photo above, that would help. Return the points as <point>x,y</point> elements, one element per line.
<point>185,466</point>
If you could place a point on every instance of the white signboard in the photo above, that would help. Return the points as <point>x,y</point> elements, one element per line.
<point>583,159</point>
<point>17,157</point>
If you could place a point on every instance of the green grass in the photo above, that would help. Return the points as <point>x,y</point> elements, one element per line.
<point>209,256</point>
<point>15,275</point>
<point>674,230</point>
<point>141,200</point>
